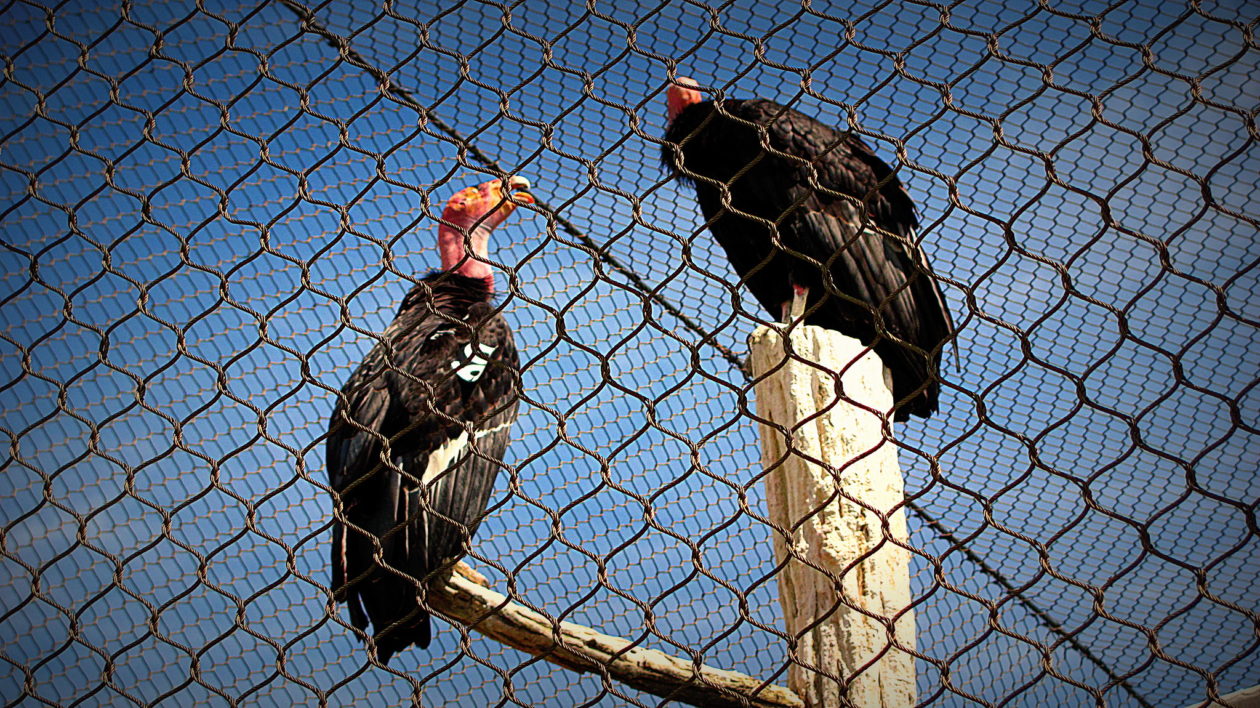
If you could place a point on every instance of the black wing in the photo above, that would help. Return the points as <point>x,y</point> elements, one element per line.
<point>857,220</point>
<point>436,399</point>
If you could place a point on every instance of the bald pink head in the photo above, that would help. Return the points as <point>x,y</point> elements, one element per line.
<point>683,92</point>
<point>470,215</point>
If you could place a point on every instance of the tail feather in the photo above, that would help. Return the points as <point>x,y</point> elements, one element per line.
<point>398,622</point>
<point>377,592</point>
<point>915,386</point>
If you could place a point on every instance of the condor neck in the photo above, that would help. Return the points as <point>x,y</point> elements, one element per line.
<point>455,258</point>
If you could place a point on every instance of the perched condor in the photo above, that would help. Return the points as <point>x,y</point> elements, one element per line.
<point>418,431</point>
<point>824,188</point>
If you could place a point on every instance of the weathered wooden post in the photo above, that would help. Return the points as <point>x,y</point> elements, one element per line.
<point>824,486</point>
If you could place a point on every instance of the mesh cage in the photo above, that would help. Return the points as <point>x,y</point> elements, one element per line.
<point>210,209</point>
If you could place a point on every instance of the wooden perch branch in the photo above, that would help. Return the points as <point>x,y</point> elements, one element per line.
<point>461,596</point>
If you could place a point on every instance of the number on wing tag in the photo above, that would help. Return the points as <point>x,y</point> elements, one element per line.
<point>474,364</point>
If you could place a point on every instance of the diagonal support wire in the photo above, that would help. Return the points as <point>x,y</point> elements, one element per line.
<point>1035,610</point>
<point>404,95</point>
<point>310,24</point>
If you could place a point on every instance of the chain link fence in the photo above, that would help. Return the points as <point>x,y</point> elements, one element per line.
<point>210,207</point>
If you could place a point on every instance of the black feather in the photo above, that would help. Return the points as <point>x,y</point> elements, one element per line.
<point>444,371</point>
<point>793,201</point>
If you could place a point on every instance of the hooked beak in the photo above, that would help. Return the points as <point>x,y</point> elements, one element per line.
<point>523,196</point>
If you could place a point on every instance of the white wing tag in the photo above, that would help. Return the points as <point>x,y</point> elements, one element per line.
<point>474,364</point>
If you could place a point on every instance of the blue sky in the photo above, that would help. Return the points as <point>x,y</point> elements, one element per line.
<point>191,197</point>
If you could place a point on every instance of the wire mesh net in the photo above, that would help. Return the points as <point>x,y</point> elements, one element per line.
<point>209,209</point>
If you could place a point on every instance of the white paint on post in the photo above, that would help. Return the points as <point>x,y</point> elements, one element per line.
<point>837,542</point>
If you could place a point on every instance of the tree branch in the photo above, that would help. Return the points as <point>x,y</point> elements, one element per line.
<point>460,596</point>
